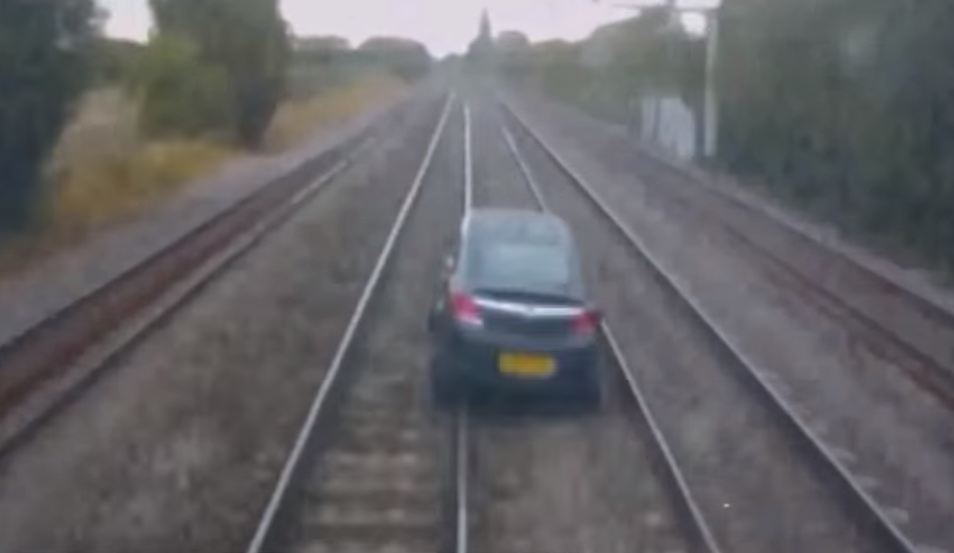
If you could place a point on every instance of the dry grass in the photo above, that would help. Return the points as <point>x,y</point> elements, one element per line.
<point>92,193</point>
<point>102,169</point>
<point>296,121</point>
<point>103,172</point>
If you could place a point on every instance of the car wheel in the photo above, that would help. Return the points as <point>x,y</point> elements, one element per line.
<point>590,397</point>
<point>445,390</point>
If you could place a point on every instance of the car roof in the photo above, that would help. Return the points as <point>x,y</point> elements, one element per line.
<point>504,222</point>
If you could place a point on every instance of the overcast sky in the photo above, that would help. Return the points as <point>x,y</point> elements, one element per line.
<point>443,25</point>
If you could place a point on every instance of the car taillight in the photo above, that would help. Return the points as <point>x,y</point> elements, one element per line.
<point>465,309</point>
<point>586,322</point>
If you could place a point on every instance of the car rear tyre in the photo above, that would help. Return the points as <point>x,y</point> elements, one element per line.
<point>446,392</point>
<point>590,397</point>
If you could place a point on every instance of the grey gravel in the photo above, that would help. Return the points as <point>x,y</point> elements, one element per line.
<point>382,471</point>
<point>854,399</point>
<point>177,450</point>
<point>756,489</point>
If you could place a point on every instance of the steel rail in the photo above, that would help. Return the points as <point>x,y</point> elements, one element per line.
<point>863,505</point>
<point>697,525</point>
<point>461,416</point>
<point>292,468</point>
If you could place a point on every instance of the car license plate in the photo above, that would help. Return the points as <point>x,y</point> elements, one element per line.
<point>526,365</point>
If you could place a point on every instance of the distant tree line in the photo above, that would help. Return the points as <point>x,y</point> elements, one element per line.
<point>845,107</point>
<point>320,62</point>
<point>609,72</point>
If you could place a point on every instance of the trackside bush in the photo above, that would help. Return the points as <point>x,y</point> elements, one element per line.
<point>179,94</point>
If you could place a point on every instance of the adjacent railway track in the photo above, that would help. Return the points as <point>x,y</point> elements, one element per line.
<point>850,492</point>
<point>371,469</point>
<point>904,326</point>
<point>52,363</point>
<point>908,330</point>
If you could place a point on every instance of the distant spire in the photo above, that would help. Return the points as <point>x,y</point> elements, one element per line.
<point>481,49</point>
<point>486,33</point>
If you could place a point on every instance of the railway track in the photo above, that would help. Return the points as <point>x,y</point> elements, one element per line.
<point>546,482</point>
<point>840,287</point>
<point>837,491</point>
<point>371,469</point>
<point>52,363</point>
<point>909,331</point>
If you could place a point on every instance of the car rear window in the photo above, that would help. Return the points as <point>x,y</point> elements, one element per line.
<point>522,266</point>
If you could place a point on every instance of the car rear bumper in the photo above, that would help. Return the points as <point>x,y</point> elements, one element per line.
<point>475,367</point>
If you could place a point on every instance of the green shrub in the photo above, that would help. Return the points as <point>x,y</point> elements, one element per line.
<point>247,41</point>
<point>180,94</point>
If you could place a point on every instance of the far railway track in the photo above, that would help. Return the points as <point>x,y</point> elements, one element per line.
<point>371,469</point>
<point>853,494</point>
<point>930,367</point>
<point>910,331</point>
<point>62,355</point>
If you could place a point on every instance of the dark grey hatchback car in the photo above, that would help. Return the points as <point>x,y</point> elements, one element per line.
<point>513,314</point>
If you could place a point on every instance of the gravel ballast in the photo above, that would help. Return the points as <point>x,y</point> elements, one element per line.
<point>559,482</point>
<point>179,447</point>
<point>887,430</point>
<point>758,492</point>
<point>381,475</point>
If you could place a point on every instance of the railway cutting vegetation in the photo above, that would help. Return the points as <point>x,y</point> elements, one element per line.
<point>98,130</point>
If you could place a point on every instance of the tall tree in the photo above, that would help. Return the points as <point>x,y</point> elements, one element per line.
<point>44,66</point>
<point>248,40</point>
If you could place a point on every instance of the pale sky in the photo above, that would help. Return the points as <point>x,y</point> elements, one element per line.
<point>444,26</point>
